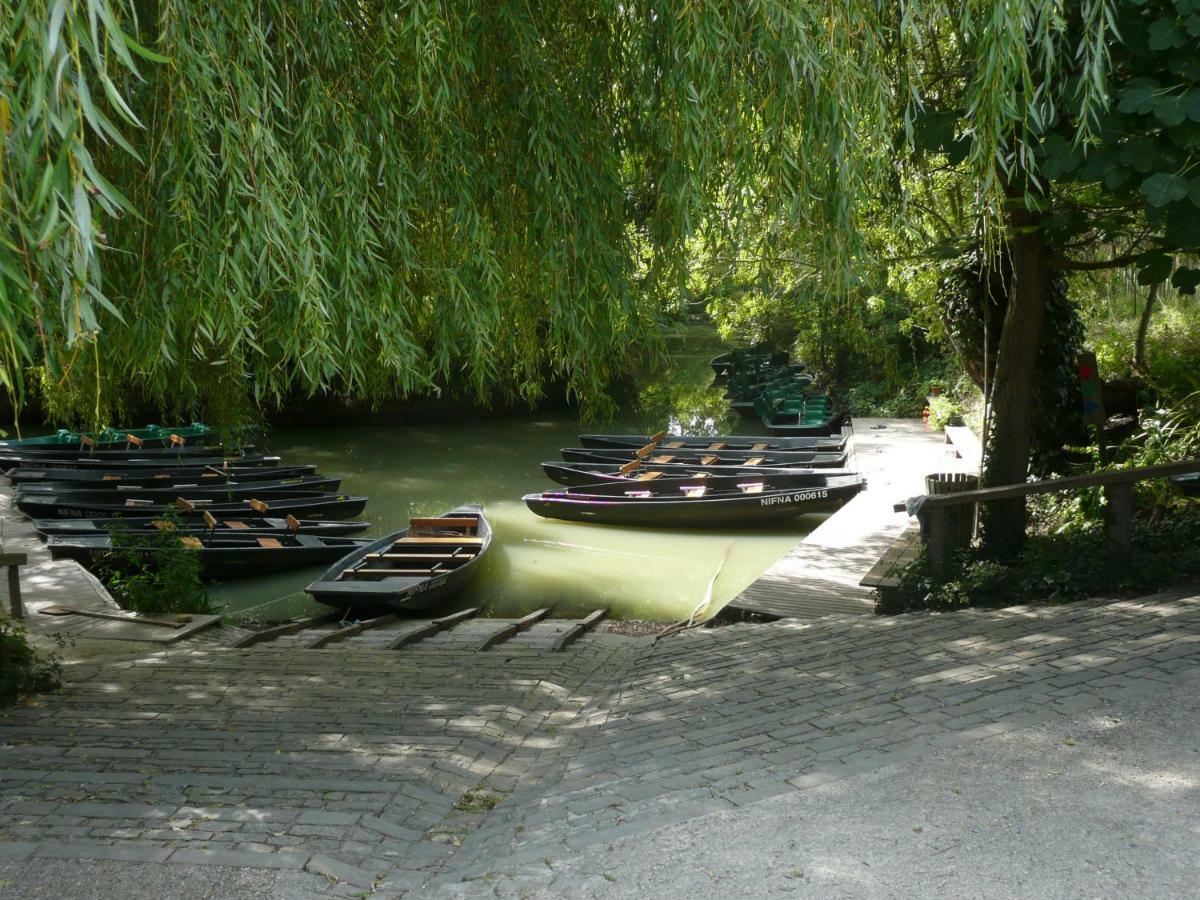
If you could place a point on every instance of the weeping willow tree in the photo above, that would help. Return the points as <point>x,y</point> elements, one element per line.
<point>377,198</point>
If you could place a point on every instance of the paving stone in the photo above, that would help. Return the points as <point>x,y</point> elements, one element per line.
<point>247,859</point>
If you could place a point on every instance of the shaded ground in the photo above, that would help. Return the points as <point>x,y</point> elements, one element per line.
<point>354,768</point>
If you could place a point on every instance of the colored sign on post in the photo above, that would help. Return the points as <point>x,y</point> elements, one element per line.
<point>1089,383</point>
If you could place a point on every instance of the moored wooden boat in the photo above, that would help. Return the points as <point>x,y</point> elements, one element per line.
<point>304,506</point>
<point>691,505</point>
<point>185,454</point>
<point>115,438</point>
<point>12,465</point>
<point>667,442</point>
<point>773,458</point>
<point>829,423</point>
<point>583,473</point>
<point>231,489</point>
<point>189,523</point>
<point>152,477</point>
<point>414,569</point>
<point>222,555</point>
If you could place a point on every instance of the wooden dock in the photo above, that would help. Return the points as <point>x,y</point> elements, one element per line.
<point>821,574</point>
<point>46,582</point>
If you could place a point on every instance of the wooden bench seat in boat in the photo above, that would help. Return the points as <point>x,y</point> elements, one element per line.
<point>649,476</point>
<point>447,523</point>
<point>359,573</point>
<point>438,539</point>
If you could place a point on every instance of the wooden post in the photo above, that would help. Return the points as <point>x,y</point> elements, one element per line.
<point>1119,525</point>
<point>14,591</point>
<point>937,544</point>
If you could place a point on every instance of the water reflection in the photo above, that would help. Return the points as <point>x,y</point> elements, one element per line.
<point>428,469</point>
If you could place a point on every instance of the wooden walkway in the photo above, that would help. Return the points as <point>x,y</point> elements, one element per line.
<point>821,575</point>
<point>46,582</point>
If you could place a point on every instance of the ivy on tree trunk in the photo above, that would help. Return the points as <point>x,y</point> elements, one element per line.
<point>1012,394</point>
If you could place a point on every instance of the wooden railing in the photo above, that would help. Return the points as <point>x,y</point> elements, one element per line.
<point>931,509</point>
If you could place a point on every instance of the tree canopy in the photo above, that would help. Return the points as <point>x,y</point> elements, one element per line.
<point>374,198</point>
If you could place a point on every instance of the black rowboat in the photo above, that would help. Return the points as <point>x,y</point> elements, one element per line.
<point>194,524</point>
<point>151,477</point>
<point>668,442</point>
<point>783,459</point>
<point>414,569</point>
<point>87,463</point>
<point>582,473</point>
<point>676,505</point>
<point>231,489</point>
<point>25,455</point>
<point>303,506</point>
<point>221,555</point>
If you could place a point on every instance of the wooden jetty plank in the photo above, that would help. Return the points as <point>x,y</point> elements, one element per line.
<point>514,628</point>
<point>822,574</point>
<point>269,634</point>
<point>578,630</point>
<point>429,629</point>
<point>341,634</point>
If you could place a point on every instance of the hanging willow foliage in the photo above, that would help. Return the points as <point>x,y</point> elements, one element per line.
<point>378,198</point>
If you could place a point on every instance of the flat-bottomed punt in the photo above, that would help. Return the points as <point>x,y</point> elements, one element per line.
<point>583,473</point>
<point>756,444</point>
<point>691,505</point>
<point>114,438</point>
<point>85,479</point>
<point>782,459</point>
<point>33,455</point>
<point>305,506</point>
<point>11,464</point>
<point>223,555</point>
<point>189,523</point>
<point>280,487</point>
<point>418,568</point>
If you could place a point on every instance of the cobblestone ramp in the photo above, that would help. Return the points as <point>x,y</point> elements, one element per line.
<point>349,761</point>
<point>714,720</point>
<point>349,764</point>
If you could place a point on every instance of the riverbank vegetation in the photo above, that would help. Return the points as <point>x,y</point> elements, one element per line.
<point>911,195</point>
<point>22,670</point>
<point>154,572</point>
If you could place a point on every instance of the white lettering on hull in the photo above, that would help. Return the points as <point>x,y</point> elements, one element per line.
<point>796,497</point>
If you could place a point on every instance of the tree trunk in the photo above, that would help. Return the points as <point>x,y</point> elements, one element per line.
<point>1139,345</point>
<point>1012,390</point>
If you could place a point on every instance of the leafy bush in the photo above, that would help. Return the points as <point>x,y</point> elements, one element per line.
<point>1070,564</point>
<point>22,671</point>
<point>166,580</point>
<point>941,411</point>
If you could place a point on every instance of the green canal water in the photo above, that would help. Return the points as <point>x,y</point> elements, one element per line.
<point>425,470</point>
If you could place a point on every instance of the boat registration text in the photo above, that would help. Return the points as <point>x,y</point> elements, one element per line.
<point>797,497</point>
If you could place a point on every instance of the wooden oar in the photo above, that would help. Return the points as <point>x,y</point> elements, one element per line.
<point>58,610</point>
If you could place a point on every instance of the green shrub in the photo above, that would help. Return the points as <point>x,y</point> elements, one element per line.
<point>22,671</point>
<point>941,411</point>
<point>1071,563</point>
<point>165,581</point>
